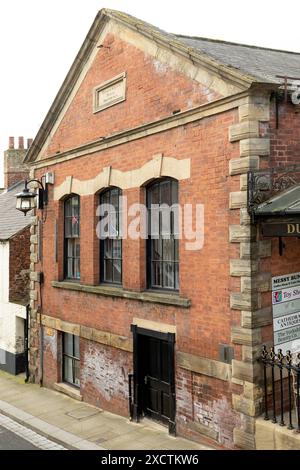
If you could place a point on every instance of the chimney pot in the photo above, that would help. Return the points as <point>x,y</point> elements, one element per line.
<point>21,143</point>
<point>29,142</point>
<point>11,143</point>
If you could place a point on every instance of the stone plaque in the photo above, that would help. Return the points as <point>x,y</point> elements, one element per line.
<point>109,93</point>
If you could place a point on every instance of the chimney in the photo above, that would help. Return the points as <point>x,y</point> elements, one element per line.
<point>21,143</point>
<point>14,168</point>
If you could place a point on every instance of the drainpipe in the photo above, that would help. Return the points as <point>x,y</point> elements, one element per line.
<point>26,343</point>
<point>41,353</point>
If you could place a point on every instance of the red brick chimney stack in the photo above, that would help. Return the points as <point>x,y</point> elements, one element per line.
<point>21,143</point>
<point>14,168</point>
<point>11,144</point>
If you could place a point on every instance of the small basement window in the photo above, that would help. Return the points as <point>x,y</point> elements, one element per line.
<point>71,359</point>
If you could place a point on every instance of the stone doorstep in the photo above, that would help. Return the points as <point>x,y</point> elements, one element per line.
<point>49,431</point>
<point>68,390</point>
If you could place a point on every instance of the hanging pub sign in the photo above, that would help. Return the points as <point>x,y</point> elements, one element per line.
<point>282,229</point>
<point>286,312</point>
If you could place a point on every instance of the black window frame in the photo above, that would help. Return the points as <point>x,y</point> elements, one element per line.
<point>104,241</point>
<point>149,248</point>
<point>72,357</point>
<point>74,237</point>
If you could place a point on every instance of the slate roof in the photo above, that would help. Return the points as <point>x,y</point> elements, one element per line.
<point>11,220</point>
<point>259,62</point>
<point>283,204</point>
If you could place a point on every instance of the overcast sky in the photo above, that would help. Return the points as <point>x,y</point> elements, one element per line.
<point>40,38</point>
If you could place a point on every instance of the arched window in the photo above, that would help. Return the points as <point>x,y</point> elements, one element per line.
<point>110,242</point>
<point>72,237</point>
<point>162,243</point>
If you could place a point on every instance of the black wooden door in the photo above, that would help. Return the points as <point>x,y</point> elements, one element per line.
<point>154,376</point>
<point>156,387</point>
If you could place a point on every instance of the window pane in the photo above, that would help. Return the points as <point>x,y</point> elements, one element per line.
<point>77,373</point>
<point>157,249</point>
<point>174,192</point>
<point>166,193</point>
<point>68,207</point>
<point>113,226</point>
<point>76,268</point>
<point>70,244</point>
<point>168,249</point>
<point>117,271</point>
<point>77,248</point>
<point>76,347</point>
<point>68,373</point>
<point>168,275</point>
<point>114,200</point>
<point>117,247</point>
<point>108,270</point>
<point>154,194</point>
<point>68,344</point>
<point>107,245</point>
<point>176,266</point>
<point>75,226</point>
<point>104,198</point>
<point>75,205</point>
<point>68,227</point>
<point>70,272</point>
<point>154,221</point>
<point>176,249</point>
<point>156,273</point>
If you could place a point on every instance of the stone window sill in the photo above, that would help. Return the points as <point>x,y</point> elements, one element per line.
<point>112,291</point>
<point>72,392</point>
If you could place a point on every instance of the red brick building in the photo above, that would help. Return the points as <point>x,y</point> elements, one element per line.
<point>158,117</point>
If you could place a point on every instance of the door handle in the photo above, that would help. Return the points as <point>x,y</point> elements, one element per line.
<point>146,379</point>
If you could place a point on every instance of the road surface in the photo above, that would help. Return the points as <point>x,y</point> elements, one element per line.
<point>15,436</point>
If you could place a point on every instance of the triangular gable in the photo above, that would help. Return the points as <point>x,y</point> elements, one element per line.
<point>191,62</point>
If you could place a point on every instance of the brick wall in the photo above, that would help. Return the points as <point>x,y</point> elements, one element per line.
<point>19,265</point>
<point>154,91</point>
<point>285,140</point>
<point>104,376</point>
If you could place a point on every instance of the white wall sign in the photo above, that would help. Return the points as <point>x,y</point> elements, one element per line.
<point>286,312</point>
<point>110,92</point>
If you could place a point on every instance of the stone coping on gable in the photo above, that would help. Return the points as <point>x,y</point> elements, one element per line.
<point>113,291</point>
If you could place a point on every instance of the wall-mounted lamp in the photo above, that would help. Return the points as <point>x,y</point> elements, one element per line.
<point>26,200</point>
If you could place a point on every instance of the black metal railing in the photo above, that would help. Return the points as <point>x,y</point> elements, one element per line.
<point>284,396</point>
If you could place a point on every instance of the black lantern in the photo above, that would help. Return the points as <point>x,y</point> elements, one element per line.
<point>26,200</point>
